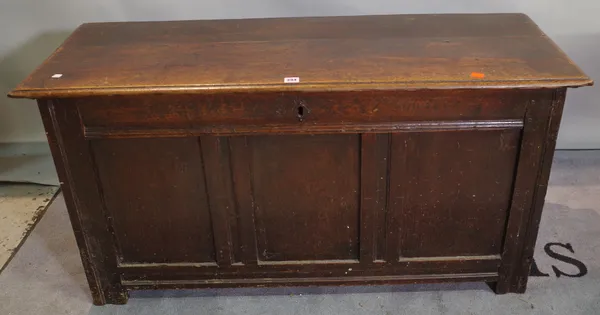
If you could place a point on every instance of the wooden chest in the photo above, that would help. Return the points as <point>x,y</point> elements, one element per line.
<point>304,151</point>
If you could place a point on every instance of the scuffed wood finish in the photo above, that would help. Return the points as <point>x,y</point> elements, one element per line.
<point>219,188</point>
<point>325,53</point>
<point>306,207</point>
<point>297,281</point>
<point>242,113</point>
<point>466,196</point>
<point>187,163</point>
<point>170,201</point>
<point>535,213</point>
<point>79,184</point>
<point>537,148</point>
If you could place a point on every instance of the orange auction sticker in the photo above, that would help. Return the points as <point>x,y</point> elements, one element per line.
<point>477,75</point>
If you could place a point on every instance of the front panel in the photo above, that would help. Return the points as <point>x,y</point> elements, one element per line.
<point>451,191</point>
<point>155,196</point>
<point>306,196</point>
<point>449,195</point>
<point>398,199</point>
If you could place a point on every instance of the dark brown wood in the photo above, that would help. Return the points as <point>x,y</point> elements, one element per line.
<point>415,148</point>
<point>170,200</point>
<point>458,182</point>
<point>79,184</point>
<point>413,267</point>
<point>241,113</point>
<point>240,109</point>
<point>241,160</point>
<point>543,120</point>
<point>326,54</point>
<point>526,255</point>
<point>215,156</point>
<point>379,216</point>
<point>537,117</point>
<point>373,157</point>
<point>297,281</point>
<point>322,222</point>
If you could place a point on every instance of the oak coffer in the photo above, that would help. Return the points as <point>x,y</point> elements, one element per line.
<point>304,151</point>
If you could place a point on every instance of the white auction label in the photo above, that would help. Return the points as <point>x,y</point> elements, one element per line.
<point>291,80</point>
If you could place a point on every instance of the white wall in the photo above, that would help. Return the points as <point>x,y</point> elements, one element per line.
<point>32,29</point>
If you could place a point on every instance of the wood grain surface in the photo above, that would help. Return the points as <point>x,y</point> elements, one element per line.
<point>325,53</point>
<point>414,148</point>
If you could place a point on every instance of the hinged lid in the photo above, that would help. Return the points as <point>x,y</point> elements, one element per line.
<point>304,54</point>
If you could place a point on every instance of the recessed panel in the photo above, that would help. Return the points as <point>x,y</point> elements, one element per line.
<point>154,192</point>
<point>450,191</point>
<point>306,194</point>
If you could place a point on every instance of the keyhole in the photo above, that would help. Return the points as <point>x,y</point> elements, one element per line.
<point>300,110</point>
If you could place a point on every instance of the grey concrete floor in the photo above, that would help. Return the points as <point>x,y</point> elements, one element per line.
<point>46,276</point>
<point>21,205</point>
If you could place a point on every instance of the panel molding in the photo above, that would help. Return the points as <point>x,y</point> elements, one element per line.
<point>450,258</point>
<point>417,266</point>
<point>92,132</point>
<point>309,262</point>
<point>244,198</point>
<point>398,162</point>
<point>166,265</point>
<point>215,160</point>
<point>374,155</point>
<point>357,280</point>
<point>304,263</point>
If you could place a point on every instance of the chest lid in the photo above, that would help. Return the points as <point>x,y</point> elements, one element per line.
<point>388,52</point>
